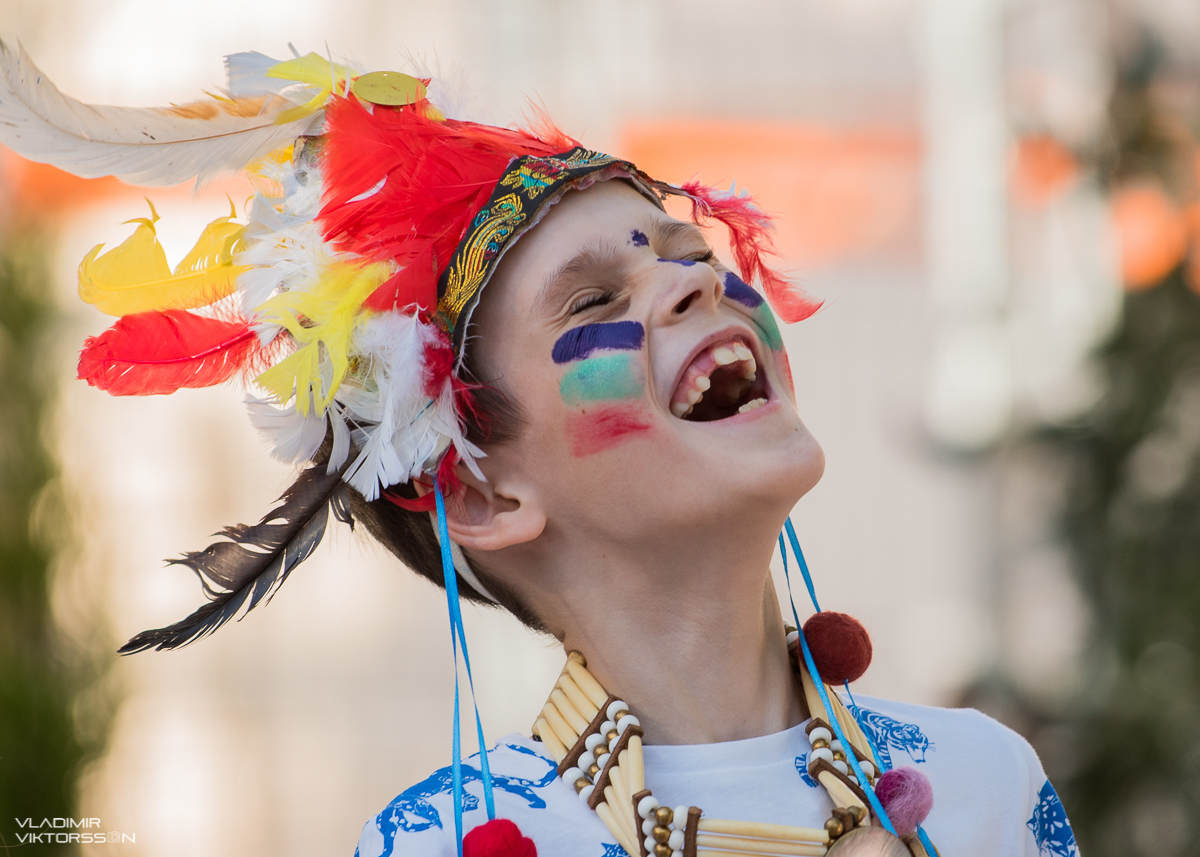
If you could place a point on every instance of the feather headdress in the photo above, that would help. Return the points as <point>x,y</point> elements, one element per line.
<point>345,295</point>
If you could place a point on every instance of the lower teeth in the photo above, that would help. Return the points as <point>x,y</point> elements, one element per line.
<point>753,404</point>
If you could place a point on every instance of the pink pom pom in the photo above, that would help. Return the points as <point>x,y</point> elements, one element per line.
<point>906,796</point>
<point>498,838</point>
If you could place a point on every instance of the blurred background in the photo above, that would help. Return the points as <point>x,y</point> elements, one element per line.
<point>999,201</point>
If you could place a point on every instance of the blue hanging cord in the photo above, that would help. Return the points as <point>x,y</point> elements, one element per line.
<point>457,636</point>
<point>816,677</point>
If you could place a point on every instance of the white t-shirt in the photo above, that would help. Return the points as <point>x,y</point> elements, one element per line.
<point>991,797</point>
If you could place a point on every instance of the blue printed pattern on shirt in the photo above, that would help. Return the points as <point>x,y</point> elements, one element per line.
<point>611,850</point>
<point>411,810</point>
<point>887,734</point>
<point>1050,827</point>
<point>802,770</point>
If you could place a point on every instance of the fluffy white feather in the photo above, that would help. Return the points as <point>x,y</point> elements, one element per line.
<point>142,146</point>
<point>294,437</point>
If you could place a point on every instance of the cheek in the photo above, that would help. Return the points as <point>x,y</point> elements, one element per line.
<point>737,291</point>
<point>608,376</point>
<point>604,428</point>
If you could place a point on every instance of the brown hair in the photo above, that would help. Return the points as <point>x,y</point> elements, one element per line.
<point>495,419</point>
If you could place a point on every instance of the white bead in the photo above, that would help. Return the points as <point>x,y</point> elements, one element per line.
<point>842,766</point>
<point>650,843</point>
<point>603,760</point>
<point>677,853</point>
<point>792,637</point>
<point>868,768</point>
<point>616,707</point>
<point>824,753</point>
<point>627,721</point>
<point>647,805</point>
<point>585,793</point>
<point>592,741</point>
<point>571,776</point>
<point>835,744</point>
<point>586,760</point>
<point>676,840</point>
<point>606,727</point>
<point>820,734</point>
<point>648,826</point>
<point>680,817</point>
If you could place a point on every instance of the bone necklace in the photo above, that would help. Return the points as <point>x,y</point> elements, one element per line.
<point>597,743</point>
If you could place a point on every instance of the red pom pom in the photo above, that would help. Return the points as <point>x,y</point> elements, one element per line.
<point>498,838</point>
<point>840,646</point>
<point>907,797</point>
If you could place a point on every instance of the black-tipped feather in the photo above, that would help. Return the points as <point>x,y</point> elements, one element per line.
<point>256,560</point>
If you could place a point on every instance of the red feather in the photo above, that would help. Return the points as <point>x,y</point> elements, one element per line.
<point>401,186</point>
<point>750,239</point>
<point>159,352</point>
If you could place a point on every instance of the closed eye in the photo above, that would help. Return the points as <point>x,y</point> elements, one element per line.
<point>586,302</point>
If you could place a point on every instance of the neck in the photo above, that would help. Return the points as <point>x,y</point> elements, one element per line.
<point>707,668</point>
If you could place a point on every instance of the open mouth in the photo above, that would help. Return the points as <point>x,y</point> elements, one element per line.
<point>722,381</point>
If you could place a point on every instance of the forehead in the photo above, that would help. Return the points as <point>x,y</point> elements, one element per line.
<point>592,221</point>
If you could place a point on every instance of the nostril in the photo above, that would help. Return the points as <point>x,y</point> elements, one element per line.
<point>682,306</point>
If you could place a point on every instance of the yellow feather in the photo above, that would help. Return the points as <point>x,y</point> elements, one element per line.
<point>321,321</point>
<point>314,70</point>
<point>134,277</point>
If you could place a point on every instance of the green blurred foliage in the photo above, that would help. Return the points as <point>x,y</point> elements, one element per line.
<point>1131,516</point>
<point>43,673</point>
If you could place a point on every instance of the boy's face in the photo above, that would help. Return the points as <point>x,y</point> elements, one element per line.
<point>656,391</point>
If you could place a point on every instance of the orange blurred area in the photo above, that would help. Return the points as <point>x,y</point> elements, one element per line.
<point>1043,169</point>
<point>40,190</point>
<point>836,193</point>
<point>1152,234</point>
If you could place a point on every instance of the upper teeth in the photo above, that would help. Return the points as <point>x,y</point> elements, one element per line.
<point>724,356</point>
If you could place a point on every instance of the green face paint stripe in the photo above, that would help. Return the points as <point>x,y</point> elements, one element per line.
<point>607,376</point>
<point>765,319</point>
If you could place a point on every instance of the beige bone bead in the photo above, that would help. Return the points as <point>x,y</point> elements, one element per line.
<point>758,846</point>
<point>587,684</point>
<point>761,830</point>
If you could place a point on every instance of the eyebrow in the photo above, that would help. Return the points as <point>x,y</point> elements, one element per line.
<point>589,265</point>
<point>600,263</point>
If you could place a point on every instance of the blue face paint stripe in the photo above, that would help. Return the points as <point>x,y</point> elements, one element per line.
<point>578,342</point>
<point>737,290</point>
<point>639,238</point>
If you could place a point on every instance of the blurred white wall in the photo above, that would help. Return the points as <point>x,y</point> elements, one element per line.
<point>284,733</point>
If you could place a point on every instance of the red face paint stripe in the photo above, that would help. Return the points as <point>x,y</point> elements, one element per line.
<point>602,429</point>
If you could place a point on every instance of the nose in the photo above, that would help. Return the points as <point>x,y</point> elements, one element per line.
<point>693,287</point>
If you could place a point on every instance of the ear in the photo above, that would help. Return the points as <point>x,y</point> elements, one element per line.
<point>487,517</point>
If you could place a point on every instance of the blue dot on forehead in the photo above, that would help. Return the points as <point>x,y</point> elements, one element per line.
<point>639,239</point>
<point>737,290</point>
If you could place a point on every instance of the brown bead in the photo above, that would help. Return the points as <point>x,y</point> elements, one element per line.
<point>612,735</point>
<point>839,756</point>
<point>581,784</point>
<point>660,833</point>
<point>857,813</point>
<point>600,750</point>
<point>834,827</point>
<point>664,815</point>
<point>661,849</point>
<point>820,744</point>
<point>593,770</point>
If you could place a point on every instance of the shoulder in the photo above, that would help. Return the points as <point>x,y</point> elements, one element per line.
<point>980,770</point>
<point>420,820</point>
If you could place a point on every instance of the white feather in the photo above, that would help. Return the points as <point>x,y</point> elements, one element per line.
<point>294,437</point>
<point>245,74</point>
<point>142,146</point>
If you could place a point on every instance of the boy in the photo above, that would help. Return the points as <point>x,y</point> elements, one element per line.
<point>506,360</point>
